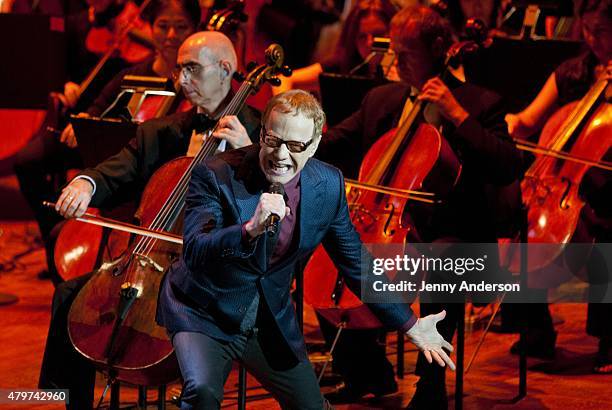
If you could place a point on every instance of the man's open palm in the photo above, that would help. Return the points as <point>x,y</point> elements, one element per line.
<point>425,336</point>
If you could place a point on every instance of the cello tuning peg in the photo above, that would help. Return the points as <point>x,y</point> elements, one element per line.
<point>286,71</point>
<point>238,76</point>
<point>251,66</point>
<point>274,81</point>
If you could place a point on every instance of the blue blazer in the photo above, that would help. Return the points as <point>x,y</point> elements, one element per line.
<point>210,288</point>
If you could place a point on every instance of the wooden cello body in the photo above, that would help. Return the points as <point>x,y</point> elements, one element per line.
<point>412,157</point>
<point>80,248</point>
<point>551,186</point>
<point>112,320</point>
<point>142,350</point>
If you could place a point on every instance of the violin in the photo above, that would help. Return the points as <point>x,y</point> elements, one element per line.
<point>112,320</point>
<point>127,36</point>
<point>575,138</point>
<point>414,156</point>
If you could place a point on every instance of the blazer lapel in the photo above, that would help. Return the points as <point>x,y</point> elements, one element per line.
<point>311,200</point>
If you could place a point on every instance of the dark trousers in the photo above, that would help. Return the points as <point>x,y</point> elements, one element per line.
<point>433,377</point>
<point>35,166</point>
<point>206,362</point>
<point>62,366</point>
<point>372,372</point>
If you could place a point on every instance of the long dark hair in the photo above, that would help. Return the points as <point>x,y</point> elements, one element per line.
<point>346,55</point>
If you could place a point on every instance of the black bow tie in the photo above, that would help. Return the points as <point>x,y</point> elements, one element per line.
<point>202,122</point>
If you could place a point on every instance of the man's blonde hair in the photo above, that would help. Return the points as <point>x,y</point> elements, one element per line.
<point>297,102</point>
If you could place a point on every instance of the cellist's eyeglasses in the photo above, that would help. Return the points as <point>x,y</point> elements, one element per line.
<point>190,70</point>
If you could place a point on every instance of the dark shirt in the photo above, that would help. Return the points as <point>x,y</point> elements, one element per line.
<point>287,226</point>
<point>574,77</point>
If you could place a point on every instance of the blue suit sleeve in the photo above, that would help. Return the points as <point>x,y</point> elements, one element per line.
<point>344,247</point>
<point>206,238</point>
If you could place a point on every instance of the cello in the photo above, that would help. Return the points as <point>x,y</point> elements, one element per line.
<point>414,156</point>
<point>551,185</point>
<point>74,258</point>
<point>112,320</point>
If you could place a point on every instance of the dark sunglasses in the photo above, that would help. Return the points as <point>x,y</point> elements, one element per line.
<point>275,142</point>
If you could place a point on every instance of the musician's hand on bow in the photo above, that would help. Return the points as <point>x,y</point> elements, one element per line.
<point>231,130</point>
<point>71,94</point>
<point>436,92</point>
<point>268,204</point>
<point>68,137</point>
<point>75,198</point>
<point>426,337</point>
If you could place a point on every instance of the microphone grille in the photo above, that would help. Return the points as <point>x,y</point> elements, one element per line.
<point>276,188</point>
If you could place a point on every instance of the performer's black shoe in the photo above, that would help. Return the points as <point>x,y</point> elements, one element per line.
<point>603,359</point>
<point>539,345</point>
<point>428,398</point>
<point>347,394</point>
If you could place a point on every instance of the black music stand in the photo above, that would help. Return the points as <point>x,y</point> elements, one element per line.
<point>34,51</point>
<point>100,138</point>
<point>341,95</point>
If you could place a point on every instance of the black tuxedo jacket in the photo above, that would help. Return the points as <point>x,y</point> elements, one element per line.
<point>157,141</point>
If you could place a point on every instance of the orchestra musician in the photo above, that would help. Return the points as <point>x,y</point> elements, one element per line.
<point>570,82</point>
<point>52,150</point>
<point>471,119</point>
<point>366,20</point>
<point>207,62</point>
<point>228,296</point>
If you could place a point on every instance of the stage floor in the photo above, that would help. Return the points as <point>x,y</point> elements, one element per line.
<point>565,383</point>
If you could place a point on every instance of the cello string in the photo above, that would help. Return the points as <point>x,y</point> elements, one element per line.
<point>173,198</point>
<point>169,210</point>
<point>574,119</point>
<point>204,152</point>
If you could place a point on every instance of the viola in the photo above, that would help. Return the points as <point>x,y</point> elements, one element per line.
<point>112,320</point>
<point>575,138</point>
<point>413,156</point>
<point>127,36</point>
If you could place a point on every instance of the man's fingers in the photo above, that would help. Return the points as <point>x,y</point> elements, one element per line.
<point>287,210</point>
<point>427,355</point>
<point>439,316</point>
<point>446,359</point>
<point>437,358</point>
<point>447,346</point>
<point>81,209</point>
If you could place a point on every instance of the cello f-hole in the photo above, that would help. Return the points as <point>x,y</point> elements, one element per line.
<point>386,230</point>
<point>564,204</point>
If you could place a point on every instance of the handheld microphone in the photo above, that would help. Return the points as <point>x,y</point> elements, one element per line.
<point>273,220</point>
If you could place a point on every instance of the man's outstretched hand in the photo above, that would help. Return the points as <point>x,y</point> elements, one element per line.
<point>425,336</point>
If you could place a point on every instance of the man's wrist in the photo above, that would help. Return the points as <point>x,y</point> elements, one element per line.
<point>459,117</point>
<point>250,231</point>
<point>89,179</point>
<point>410,325</point>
